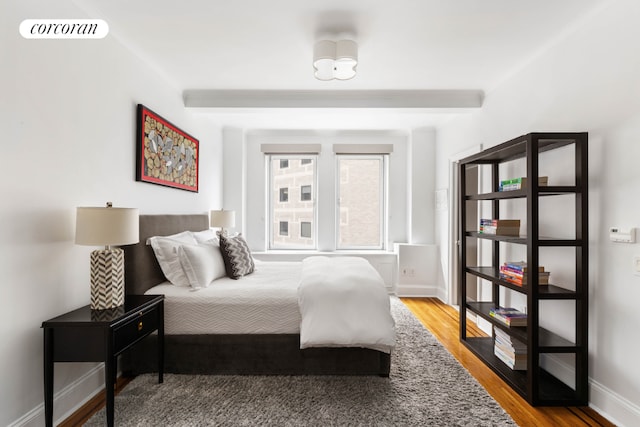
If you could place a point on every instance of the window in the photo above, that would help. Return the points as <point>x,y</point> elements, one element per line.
<point>299,177</point>
<point>305,193</point>
<point>355,209</point>
<point>361,207</point>
<point>284,194</point>
<point>305,229</point>
<point>284,228</point>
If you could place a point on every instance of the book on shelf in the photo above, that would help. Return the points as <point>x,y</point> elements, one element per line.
<point>500,222</point>
<point>520,266</point>
<point>509,316</point>
<point>500,227</point>
<point>521,279</point>
<point>510,350</point>
<point>516,273</point>
<point>514,364</point>
<point>520,183</point>
<point>520,354</point>
<point>542,281</point>
<point>507,340</point>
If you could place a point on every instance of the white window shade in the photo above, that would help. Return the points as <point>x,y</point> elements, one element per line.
<point>290,148</point>
<point>363,148</point>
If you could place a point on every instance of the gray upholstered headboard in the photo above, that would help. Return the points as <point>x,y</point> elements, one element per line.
<point>141,269</point>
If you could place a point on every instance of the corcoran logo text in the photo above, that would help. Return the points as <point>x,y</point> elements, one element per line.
<point>64,28</point>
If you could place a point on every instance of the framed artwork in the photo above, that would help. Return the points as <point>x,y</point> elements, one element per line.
<point>165,154</point>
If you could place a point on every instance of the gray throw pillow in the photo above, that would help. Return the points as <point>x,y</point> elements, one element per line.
<point>237,257</point>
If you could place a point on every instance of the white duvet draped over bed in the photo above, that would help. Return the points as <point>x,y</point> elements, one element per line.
<point>344,303</point>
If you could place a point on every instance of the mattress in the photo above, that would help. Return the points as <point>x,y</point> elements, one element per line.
<point>264,302</point>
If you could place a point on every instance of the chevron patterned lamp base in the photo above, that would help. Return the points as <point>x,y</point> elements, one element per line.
<point>107,278</point>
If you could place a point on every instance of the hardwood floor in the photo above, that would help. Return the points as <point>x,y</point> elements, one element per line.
<point>94,404</point>
<point>442,321</point>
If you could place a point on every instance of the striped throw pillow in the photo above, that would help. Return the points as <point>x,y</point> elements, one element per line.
<point>237,257</point>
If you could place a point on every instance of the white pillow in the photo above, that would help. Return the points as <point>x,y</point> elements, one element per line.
<point>202,264</point>
<point>205,236</point>
<point>166,250</point>
<point>178,236</point>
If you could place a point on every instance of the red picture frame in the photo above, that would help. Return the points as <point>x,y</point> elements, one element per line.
<point>165,154</point>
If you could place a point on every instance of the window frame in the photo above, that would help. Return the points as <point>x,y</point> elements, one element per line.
<point>280,224</point>
<point>271,244</point>
<point>302,193</point>
<point>302,236</point>
<point>384,205</point>
<point>283,191</point>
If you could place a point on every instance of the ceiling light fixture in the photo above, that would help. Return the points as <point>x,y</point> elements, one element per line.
<point>335,60</point>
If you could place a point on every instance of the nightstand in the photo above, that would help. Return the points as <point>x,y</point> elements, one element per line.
<point>86,335</point>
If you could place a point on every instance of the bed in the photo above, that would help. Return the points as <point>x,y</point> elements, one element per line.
<point>219,347</point>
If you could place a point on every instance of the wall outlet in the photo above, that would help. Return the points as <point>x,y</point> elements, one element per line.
<point>407,272</point>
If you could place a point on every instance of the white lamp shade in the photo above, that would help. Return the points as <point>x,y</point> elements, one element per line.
<point>98,226</point>
<point>223,219</point>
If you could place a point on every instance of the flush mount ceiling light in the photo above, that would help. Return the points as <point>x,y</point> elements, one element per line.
<point>335,60</point>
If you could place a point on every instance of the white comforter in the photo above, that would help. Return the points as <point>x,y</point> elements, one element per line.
<point>344,303</point>
<point>264,302</point>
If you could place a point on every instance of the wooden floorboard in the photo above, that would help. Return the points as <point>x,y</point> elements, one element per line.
<point>442,321</point>
<point>92,406</point>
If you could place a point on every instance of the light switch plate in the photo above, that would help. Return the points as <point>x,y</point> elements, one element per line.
<point>636,265</point>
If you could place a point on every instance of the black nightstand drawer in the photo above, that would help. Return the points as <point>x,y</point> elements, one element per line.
<point>134,329</point>
<point>86,335</point>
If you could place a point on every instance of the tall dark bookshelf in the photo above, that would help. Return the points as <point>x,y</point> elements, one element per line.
<point>536,384</point>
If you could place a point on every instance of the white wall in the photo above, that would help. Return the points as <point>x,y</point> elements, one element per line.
<point>589,80</point>
<point>68,112</point>
<point>421,185</point>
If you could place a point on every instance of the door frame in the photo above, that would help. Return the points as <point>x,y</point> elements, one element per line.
<point>453,232</point>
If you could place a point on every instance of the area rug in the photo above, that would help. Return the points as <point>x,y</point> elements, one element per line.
<point>426,387</point>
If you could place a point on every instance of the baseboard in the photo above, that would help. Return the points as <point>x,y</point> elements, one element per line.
<point>417,290</point>
<point>603,400</point>
<point>612,406</point>
<point>441,294</point>
<point>66,401</point>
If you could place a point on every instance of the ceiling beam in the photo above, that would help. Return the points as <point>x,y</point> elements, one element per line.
<point>209,98</point>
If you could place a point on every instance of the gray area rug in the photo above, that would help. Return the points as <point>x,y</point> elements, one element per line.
<point>426,387</point>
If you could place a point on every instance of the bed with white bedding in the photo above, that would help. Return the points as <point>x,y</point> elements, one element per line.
<point>253,325</point>
<point>264,302</point>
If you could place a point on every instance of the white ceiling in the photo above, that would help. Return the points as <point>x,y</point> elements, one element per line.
<point>403,45</point>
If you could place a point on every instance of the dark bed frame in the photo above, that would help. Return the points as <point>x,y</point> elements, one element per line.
<point>264,354</point>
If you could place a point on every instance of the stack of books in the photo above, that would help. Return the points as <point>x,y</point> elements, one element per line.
<point>515,272</point>
<point>500,227</point>
<point>521,183</point>
<point>509,350</point>
<point>509,316</point>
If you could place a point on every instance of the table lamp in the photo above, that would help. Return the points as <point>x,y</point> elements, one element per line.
<point>96,226</point>
<point>223,219</point>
